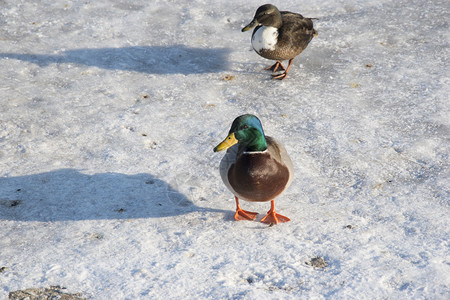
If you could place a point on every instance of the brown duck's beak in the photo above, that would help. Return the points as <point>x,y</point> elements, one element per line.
<point>226,143</point>
<point>250,26</point>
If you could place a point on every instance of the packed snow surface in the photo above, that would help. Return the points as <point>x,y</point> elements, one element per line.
<point>109,186</point>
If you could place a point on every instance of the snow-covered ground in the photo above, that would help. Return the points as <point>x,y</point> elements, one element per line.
<point>109,186</point>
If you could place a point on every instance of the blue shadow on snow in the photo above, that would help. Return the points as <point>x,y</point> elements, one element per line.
<point>68,195</point>
<point>176,59</point>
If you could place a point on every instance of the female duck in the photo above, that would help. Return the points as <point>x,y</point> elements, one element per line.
<point>257,169</point>
<point>280,36</point>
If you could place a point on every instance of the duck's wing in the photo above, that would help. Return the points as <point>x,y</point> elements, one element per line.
<point>279,153</point>
<point>296,31</point>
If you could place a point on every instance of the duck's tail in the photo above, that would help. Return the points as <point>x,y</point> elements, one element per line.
<point>315,33</point>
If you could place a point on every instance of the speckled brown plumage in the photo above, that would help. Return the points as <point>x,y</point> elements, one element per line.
<point>293,37</point>
<point>280,36</point>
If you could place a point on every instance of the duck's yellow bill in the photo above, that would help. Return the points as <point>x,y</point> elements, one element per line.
<point>227,143</point>
<point>249,26</point>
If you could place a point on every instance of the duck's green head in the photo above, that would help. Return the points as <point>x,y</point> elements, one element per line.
<point>266,15</point>
<point>248,132</point>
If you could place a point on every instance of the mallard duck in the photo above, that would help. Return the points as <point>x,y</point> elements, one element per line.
<point>255,167</point>
<point>279,36</point>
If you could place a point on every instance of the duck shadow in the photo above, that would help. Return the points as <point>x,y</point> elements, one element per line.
<point>176,59</point>
<point>68,195</point>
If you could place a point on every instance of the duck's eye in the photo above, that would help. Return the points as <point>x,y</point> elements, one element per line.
<point>244,127</point>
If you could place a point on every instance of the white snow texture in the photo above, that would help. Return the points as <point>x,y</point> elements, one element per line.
<point>109,186</point>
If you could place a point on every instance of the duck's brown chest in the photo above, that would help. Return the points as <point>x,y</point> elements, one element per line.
<point>258,177</point>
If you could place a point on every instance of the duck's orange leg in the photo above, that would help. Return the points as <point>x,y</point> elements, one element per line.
<point>283,75</point>
<point>272,217</point>
<point>276,66</point>
<point>243,214</point>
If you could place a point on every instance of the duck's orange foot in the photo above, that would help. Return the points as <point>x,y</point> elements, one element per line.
<point>283,75</point>
<point>277,66</point>
<point>244,215</point>
<point>279,76</point>
<point>274,218</point>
